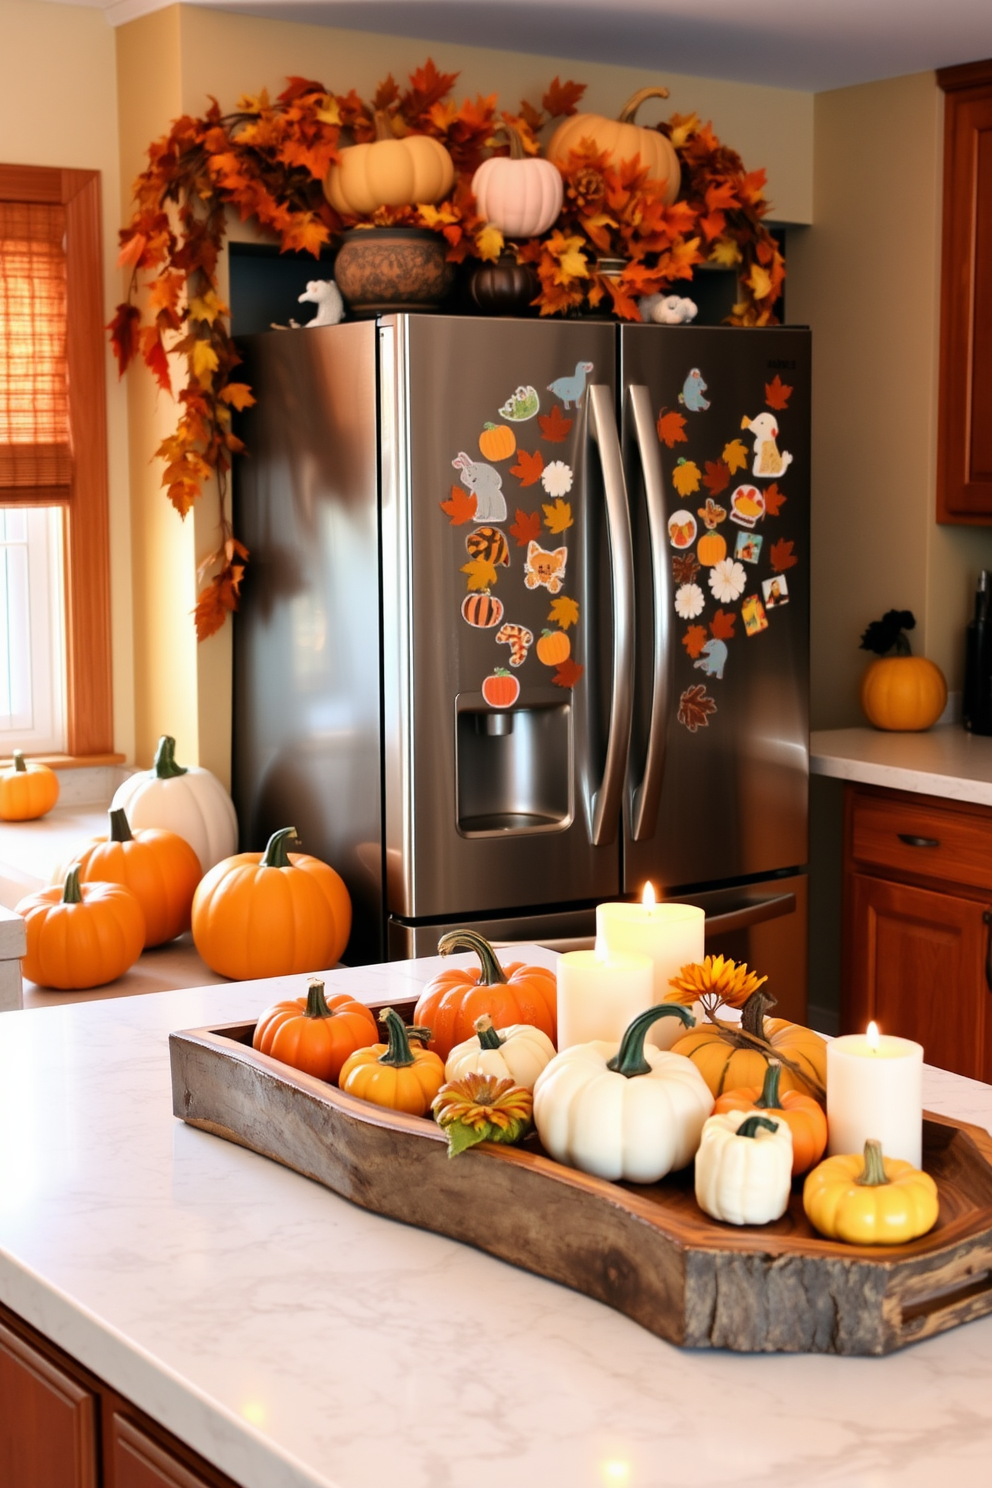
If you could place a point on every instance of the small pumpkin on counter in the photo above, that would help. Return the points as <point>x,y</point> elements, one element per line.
<point>453,1000</point>
<point>389,172</point>
<point>159,867</point>
<point>621,139</point>
<point>28,789</point>
<point>900,692</point>
<point>870,1199</point>
<point>482,1108</point>
<point>396,1074</point>
<point>518,1053</point>
<point>184,799</point>
<point>315,1033</point>
<point>803,1115</point>
<point>728,1059</point>
<point>81,935</point>
<point>744,1167</point>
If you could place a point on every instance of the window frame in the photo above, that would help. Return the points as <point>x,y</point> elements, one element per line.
<point>86,516</point>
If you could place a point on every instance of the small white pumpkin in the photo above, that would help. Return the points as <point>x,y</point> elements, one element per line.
<point>186,800</point>
<point>518,1053</point>
<point>634,1113</point>
<point>518,193</point>
<point>744,1167</point>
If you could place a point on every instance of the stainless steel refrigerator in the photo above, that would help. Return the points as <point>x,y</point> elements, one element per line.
<point>525,623</point>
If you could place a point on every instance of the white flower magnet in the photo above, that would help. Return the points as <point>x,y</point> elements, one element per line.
<point>556,478</point>
<point>689,601</point>
<point>727,580</point>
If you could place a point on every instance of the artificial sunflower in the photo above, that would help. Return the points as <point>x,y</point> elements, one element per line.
<point>716,982</point>
<point>481,1108</point>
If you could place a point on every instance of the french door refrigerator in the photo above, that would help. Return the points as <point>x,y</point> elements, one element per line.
<point>525,623</point>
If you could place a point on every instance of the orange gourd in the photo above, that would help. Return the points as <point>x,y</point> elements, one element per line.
<point>398,1075</point>
<point>497,442</point>
<point>27,790</point>
<point>450,1004</point>
<point>81,935</point>
<point>903,694</point>
<point>275,913</point>
<point>554,647</point>
<point>727,1062</point>
<point>621,139</point>
<point>315,1033</point>
<point>712,548</point>
<point>803,1115</point>
<point>159,867</point>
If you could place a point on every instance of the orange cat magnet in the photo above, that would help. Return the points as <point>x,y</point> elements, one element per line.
<point>544,568</point>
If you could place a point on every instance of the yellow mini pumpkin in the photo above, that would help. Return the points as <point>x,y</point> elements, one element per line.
<point>27,790</point>
<point>870,1200</point>
<point>399,1075</point>
<point>727,1061</point>
<point>389,172</point>
<point>622,139</point>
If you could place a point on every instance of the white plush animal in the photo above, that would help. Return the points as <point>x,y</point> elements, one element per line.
<point>668,309</point>
<point>325,294</point>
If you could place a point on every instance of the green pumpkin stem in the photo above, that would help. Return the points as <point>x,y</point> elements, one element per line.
<point>873,1174</point>
<point>488,1037</point>
<point>902,646</point>
<point>71,892</point>
<point>750,1127</point>
<point>754,1010</point>
<point>493,974</point>
<point>316,1002</point>
<point>769,1099</point>
<point>399,1054</point>
<point>165,766</point>
<point>120,831</point>
<point>629,1060</point>
<point>276,853</point>
<point>19,764</point>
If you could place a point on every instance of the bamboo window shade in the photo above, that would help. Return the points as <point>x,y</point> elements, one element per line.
<point>35,434</point>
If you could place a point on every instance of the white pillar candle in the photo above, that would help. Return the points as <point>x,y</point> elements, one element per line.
<point>599,995</point>
<point>875,1089</point>
<point>671,935</point>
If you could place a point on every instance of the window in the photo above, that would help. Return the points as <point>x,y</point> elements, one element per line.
<point>32,630</point>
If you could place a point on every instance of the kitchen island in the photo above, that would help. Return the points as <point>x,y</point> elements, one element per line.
<point>293,1339</point>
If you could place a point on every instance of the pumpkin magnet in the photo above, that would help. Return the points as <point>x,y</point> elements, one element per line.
<point>500,689</point>
<point>482,610</point>
<point>753,615</point>
<point>682,529</point>
<point>519,639</point>
<point>497,442</point>
<point>553,648</point>
<point>545,568</point>
<point>521,405</point>
<point>748,549</point>
<point>490,544</point>
<point>769,461</point>
<point>775,592</point>
<point>693,394</point>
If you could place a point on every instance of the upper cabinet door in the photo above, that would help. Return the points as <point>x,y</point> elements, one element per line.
<point>964,453</point>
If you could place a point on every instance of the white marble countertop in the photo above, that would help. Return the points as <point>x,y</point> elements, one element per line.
<point>294,1339</point>
<point>945,761</point>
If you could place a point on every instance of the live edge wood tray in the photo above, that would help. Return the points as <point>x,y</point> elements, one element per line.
<point>649,1252</point>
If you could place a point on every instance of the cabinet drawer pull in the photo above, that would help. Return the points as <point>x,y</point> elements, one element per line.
<point>987,919</point>
<point>912,841</point>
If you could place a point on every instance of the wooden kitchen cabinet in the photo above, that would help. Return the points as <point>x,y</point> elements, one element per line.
<point>918,924</point>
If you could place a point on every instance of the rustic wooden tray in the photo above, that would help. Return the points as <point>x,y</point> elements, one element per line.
<point>649,1252</point>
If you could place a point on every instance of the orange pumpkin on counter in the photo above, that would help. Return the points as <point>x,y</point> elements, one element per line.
<point>28,790</point>
<point>315,1033</point>
<point>450,1004</point>
<point>398,1075</point>
<point>159,867</point>
<point>803,1115</point>
<point>81,935</point>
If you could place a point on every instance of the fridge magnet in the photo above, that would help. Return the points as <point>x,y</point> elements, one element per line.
<point>712,659</point>
<point>747,504</point>
<point>528,468</point>
<point>748,549</point>
<point>564,612</point>
<point>526,528</point>
<point>696,708</point>
<point>568,673</point>
<point>553,647</point>
<point>497,442</point>
<point>459,507</point>
<point>769,461</point>
<point>482,610</point>
<point>671,428</point>
<point>685,567</point>
<point>570,389</point>
<point>489,543</point>
<point>558,516</point>
<point>753,615</point>
<point>682,529</point>
<point>712,549</point>
<point>777,393</point>
<point>519,639</point>
<point>481,574</point>
<point>782,555</point>
<point>685,477</point>
<point>775,592</point>
<point>735,456</point>
<point>717,477</point>
<point>694,640</point>
<point>774,500</point>
<point>557,478</point>
<point>485,483</point>
<point>722,625</point>
<point>554,426</point>
<point>689,601</point>
<point>501,689</point>
<point>712,514</point>
<point>727,580</point>
<point>521,405</point>
<point>693,392</point>
<point>544,568</point>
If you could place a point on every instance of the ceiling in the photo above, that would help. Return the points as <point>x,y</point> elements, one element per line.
<point>806,44</point>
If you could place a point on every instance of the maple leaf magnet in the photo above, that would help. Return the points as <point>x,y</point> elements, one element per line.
<point>460,507</point>
<point>735,456</point>
<point>528,467</point>
<point>722,625</point>
<point>685,477</point>
<point>564,612</point>
<point>696,707</point>
<point>554,427</point>
<point>558,516</point>
<point>671,429</point>
<point>717,477</point>
<point>777,393</point>
<point>695,639</point>
<point>568,673</point>
<point>774,500</point>
<point>782,555</point>
<point>527,527</point>
<point>481,573</point>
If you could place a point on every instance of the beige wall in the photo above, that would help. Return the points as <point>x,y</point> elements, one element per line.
<point>58,107</point>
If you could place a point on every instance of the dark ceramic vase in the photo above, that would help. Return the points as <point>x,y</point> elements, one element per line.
<point>380,270</point>
<point>504,287</point>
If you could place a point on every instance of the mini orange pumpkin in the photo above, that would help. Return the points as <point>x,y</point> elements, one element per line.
<point>81,936</point>
<point>712,548</point>
<point>803,1115</point>
<point>159,867</point>
<point>450,1004</point>
<point>313,1033</point>
<point>497,442</point>
<point>553,647</point>
<point>27,790</point>
<point>904,694</point>
<point>727,1062</point>
<point>399,1075</point>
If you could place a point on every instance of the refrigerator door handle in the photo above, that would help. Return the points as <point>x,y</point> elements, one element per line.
<point>646,796</point>
<point>754,912</point>
<point>605,803</point>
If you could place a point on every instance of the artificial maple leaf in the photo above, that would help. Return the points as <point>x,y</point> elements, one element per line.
<point>735,456</point>
<point>777,393</point>
<point>460,507</point>
<point>563,98</point>
<point>671,429</point>
<point>722,625</point>
<point>685,567</point>
<point>717,477</point>
<point>155,358</point>
<point>204,362</point>
<point>558,516</point>
<point>685,477</point>
<point>695,639</point>
<point>774,500</point>
<point>528,468</point>
<point>554,426</point>
<point>568,673</point>
<point>782,556</point>
<point>124,334</point>
<point>238,394</point>
<point>527,527</point>
<point>489,242</point>
<point>564,612</point>
<point>695,707</point>
<point>481,573</point>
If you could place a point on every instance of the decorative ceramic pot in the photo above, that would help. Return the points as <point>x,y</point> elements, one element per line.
<point>504,287</point>
<point>385,269</point>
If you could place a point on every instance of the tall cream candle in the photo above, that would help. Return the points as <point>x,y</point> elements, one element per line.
<point>671,935</point>
<point>875,1089</point>
<point>599,995</point>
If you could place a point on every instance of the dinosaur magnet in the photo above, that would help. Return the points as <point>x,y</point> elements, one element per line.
<point>693,392</point>
<point>769,461</point>
<point>748,549</point>
<point>682,529</point>
<point>775,591</point>
<point>485,483</point>
<point>519,639</point>
<point>545,568</point>
<point>712,659</point>
<point>521,405</point>
<point>570,389</point>
<point>747,505</point>
<point>753,615</point>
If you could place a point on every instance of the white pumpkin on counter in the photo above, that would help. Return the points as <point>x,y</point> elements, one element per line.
<point>631,1113</point>
<point>744,1167</point>
<point>186,800</point>
<point>518,1053</point>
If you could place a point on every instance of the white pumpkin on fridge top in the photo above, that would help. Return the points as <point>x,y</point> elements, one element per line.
<point>186,800</point>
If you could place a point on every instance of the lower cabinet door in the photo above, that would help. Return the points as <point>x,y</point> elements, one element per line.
<point>138,1461</point>
<point>918,966</point>
<point>48,1436</point>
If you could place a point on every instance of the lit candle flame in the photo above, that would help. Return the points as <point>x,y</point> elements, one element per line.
<point>648,897</point>
<point>872,1037</point>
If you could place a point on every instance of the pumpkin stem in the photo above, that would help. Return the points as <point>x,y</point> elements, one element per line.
<point>165,759</point>
<point>383,126</point>
<point>750,1126</point>
<point>769,1099</point>
<point>629,1060</point>
<point>902,646</point>
<point>488,1037</point>
<point>71,892</point>
<point>420,1033</point>
<point>316,1002</point>
<point>873,1174</point>
<point>398,1054</point>
<point>753,1012</point>
<point>492,974</point>
<point>19,764</point>
<point>276,854</point>
<point>513,139</point>
<point>626,114</point>
<point>119,828</point>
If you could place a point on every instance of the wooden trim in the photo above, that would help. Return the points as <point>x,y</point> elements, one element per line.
<point>69,761</point>
<point>32,183</point>
<point>966,75</point>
